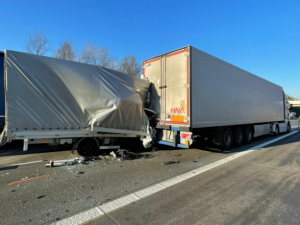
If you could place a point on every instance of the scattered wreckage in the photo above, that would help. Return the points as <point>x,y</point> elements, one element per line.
<point>119,155</point>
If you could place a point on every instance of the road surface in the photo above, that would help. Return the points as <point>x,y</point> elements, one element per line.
<point>259,186</point>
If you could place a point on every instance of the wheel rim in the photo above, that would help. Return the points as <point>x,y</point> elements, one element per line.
<point>277,131</point>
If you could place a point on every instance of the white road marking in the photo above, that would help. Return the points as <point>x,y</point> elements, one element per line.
<point>118,203</point>
<point>136,196</point>
<point>149,191</point>
<point>81,217</point>
<point>21,164</point>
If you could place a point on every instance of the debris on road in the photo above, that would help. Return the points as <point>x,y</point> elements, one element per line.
<point>170,162</point>
<point>121,151</point>
<point>128,155</point>
<point>119,155</point>
<point>113,154</point>
<point>41,196</point>
<point>62,162</point>
<point>28,179</point>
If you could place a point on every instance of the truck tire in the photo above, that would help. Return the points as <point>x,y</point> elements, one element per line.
<point>238,136</point>
<point>288,129</point>
<point>87,147</point>
<point>276,133</point>
<point>248,134</point>
<point>227,138</point>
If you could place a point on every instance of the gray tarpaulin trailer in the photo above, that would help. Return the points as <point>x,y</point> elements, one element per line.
<point>197,95</point>
<point>57,101</point>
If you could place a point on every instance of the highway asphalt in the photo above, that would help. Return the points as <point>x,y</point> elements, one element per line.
<point>261,187</point>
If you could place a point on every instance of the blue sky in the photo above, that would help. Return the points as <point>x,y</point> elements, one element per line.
<point>262,37</point>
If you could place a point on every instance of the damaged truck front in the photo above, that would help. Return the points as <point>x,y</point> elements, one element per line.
<point>56,101</point>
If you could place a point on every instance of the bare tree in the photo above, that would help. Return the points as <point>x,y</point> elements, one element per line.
<point>99,56</point>
<point>66,51</point>
<point>37,43</point>
<point>291,98</point>
<point>130,65</point>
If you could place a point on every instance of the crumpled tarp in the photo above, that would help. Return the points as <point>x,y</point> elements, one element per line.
<point>45,93</point>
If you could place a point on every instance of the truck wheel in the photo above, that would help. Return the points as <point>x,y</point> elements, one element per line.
<point>227,138</point>
<point>288,129</point>
<point>87,147</point>
<point>248,134</point>
<point>276,130</point>
<point>238,136</point>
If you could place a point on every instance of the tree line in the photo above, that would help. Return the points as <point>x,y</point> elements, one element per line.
<point>39,44</point>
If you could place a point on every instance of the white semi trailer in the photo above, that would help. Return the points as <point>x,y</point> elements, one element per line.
<point>198,96</point>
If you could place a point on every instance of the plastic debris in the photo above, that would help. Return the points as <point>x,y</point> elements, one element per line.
<point>41,196</point>
<point>113,154</point>
<point>62,162</point>
<point>170,162</point>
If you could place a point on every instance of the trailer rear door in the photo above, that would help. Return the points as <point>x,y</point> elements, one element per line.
<point>169,74</point>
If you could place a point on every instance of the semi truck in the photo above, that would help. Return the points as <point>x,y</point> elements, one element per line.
<point>185,96</point>
<point>197,97</point>
<point>55,101</point>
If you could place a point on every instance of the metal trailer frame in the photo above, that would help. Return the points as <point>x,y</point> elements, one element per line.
<point>202,68</point>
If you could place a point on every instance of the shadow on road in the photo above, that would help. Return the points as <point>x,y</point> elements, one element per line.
<point>13,149</point>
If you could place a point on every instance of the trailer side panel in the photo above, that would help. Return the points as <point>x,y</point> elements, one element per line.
<point>223,94</point>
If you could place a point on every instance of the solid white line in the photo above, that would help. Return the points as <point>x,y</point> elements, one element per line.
<point>21,164</point>
<point>118,203</point>
<point>81,217</point>
<point>136,196</point>
<point>148,191</point>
